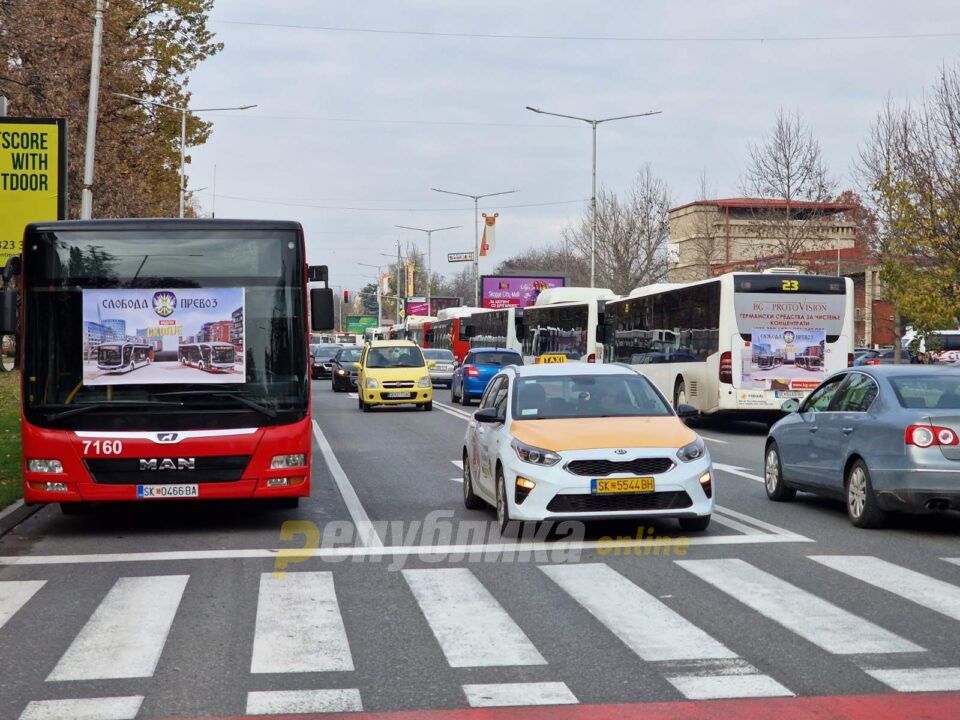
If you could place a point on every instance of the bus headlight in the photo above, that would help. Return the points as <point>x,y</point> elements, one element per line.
<point>45,466</point>
<point>371,384</point>
<point>693,451</point>
<point>424,382</point>
<point>282,462</point>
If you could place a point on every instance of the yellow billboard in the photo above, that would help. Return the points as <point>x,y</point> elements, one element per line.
<point>33,168</point>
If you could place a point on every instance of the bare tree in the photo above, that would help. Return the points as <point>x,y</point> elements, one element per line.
<point>788,167</point>
<point>632,233</point>
<point>550,258</point>
<point>703,244</point>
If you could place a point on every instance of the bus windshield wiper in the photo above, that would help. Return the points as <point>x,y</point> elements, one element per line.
<point>252,404</point>
<point>81,409</point>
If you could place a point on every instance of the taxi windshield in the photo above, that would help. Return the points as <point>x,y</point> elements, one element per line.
<point>394,357</point>
<point>585,396</point>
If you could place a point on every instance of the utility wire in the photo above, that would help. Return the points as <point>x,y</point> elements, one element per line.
<point>383,209</point>
<point>397,121</point>
<point>600,38</point>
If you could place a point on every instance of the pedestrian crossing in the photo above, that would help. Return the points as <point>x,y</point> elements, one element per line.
<point>302,627</point>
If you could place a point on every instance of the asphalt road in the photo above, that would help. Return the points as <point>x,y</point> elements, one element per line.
<point>172,610</point>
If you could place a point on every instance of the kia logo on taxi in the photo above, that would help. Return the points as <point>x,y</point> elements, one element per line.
<point>168,463</point>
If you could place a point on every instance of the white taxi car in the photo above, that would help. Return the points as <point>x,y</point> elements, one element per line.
<point>586,442</point>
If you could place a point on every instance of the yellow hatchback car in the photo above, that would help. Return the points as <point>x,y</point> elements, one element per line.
<point>393,372</point>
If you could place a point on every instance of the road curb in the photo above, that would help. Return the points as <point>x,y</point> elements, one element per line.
<point>13,515</point>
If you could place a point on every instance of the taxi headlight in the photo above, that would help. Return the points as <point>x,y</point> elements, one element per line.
<point>534,455</point>
<point>424,382</point>
<point>371,384</point>
<point>693,451</point>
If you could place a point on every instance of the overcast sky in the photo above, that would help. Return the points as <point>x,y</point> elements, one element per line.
<point>352,129</point>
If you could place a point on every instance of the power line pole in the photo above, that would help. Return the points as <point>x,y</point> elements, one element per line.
<point>86,197</point>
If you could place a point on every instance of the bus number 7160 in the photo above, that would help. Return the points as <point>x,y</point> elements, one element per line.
<point>102,447</point>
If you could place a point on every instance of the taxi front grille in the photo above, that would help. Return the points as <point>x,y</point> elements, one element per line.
<point>126,471</point>
<point>602,468</point>
<point>671,500</point>
<point>398,384</point>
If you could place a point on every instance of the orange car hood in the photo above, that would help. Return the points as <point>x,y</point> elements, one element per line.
<point>598,433</point>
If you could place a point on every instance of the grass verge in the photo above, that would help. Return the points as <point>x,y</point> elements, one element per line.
<point>11,479</point>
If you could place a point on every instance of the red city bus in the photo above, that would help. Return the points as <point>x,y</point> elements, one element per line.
<point>451,331</point>
<point>165,430</point>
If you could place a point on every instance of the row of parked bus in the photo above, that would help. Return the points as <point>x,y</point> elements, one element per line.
<point>693,340</point>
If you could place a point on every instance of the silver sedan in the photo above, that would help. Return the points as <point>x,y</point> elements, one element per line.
<point>882,438</point>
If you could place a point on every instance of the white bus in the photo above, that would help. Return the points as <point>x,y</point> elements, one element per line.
<point>417,327</point>
<point>123,356</point>
<point>740,343</point>
<point>495,329</point>
<point>564,321</point>
<point>209,356</point>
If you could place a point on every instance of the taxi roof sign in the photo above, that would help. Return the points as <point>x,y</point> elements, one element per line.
<point>552,358</point>
<point>33,177</point>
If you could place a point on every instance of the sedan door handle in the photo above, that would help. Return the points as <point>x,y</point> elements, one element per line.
<point>813,429</point>
<point>847,430</point>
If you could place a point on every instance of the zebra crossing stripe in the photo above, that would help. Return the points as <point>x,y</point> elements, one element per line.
<point>299,627</point>
<point>933,594</point>
<point>108,708</point>
<point>472,628</point>
<point>824,624</point>
<point>936,679</point>
<point>293,702</point>
<point>14,594</point>
<point>126,633</point>
<point>519,694</point>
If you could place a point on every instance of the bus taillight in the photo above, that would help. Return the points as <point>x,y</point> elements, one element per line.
<point>726,367</point>
<point>849,359</point>
<point>592,358</point>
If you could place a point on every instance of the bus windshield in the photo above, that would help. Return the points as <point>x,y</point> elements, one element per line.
<point>258,329</point>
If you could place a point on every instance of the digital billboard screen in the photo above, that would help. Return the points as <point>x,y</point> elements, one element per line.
<point>506,291</point>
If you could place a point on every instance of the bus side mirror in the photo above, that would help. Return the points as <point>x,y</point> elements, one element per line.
<point>317,273</point>
<point>321,309</point>
<point>9,300</point>
<point>601,333</point>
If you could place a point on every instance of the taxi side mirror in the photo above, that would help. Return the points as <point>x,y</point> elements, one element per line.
<point>356,366</point>
<point>431,364</point>
<point>685,411</point>
<point>487,415</point>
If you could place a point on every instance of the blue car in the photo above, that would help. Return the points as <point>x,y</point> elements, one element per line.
<point>479,366</point>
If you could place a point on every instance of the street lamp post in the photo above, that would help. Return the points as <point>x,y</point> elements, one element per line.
<point>593,195</point>
<point>86,197</point>
<point>429,252</point>
<point>183,110</point>
<point>476,234</point>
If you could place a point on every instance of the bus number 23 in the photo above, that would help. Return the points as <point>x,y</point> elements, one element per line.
<point>102,447</point>
<point>791,285</point>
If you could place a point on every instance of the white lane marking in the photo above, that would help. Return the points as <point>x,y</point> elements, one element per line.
<point>737,470</point>
<point>457,480</point>
<point>809,616</point>
<point>366,532</point>
<point>955,561</point>
<point>643,623</point>
<point>936,595</point>
<point>126,633</point>
<point>465,414</point>
<point>108,708</point>
<point>353,396</point>
<point>291,702</point>
<point>14,594</point>
<point>734,525</point>
<point>458,463</point>
<point>716,687</point>
<point>937,679</point>
<point>349,552</point>
<point>299,627</point>
<point>713,439</point>
<point>472,628</point>
<point>519,694</point>
<point>775,529</point>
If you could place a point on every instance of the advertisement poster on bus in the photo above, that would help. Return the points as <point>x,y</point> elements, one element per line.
<point>791,358</point>
<point>506,291</point>
<point>163,336</point>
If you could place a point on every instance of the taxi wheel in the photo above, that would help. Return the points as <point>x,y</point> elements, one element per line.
<point>428,406</point>
<point>694,524</point>
<point>470,500</point>
<point>773,477</point>
<point>508,528</point>
<point>862,505</point>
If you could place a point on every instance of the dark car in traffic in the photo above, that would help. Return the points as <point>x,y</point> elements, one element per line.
<point>882,438</point>
<point>343,375</point>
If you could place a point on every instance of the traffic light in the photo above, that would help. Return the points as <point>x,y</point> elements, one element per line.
<point>346,297</point>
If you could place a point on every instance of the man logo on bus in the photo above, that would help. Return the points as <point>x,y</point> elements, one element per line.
<point>164,303</point>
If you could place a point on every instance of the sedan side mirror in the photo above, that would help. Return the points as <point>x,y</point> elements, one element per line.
<point>685,411</point>
<point>791,405</point>
<point>487,415</point>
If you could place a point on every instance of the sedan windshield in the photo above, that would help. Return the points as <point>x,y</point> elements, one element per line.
<point>499,359</point>
<point>920,392</point>
<point>438,354</point>
<point>349,356</point>
<point>580,396</point>
<point>395,357</point>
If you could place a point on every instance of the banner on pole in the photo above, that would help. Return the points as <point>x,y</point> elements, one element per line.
<point>410,269</point>
<point>489,234</point>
